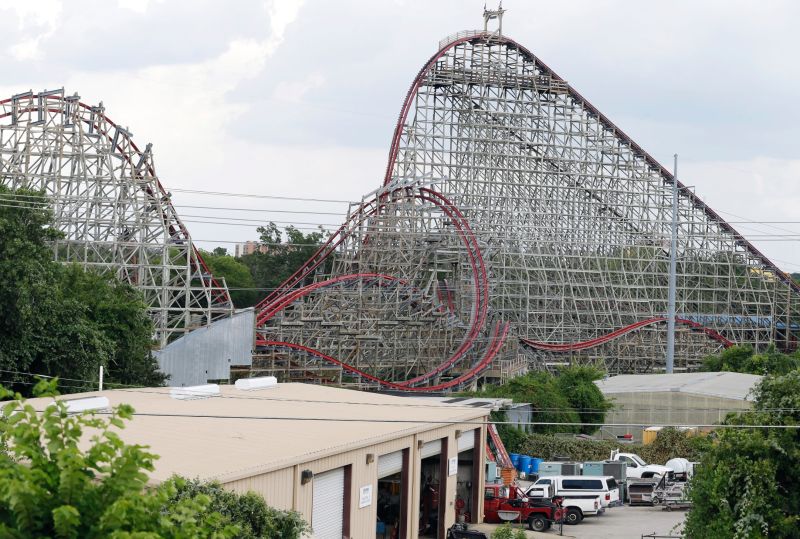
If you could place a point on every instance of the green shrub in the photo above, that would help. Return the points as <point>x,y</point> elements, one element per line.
<point>670,443</point>
<point>248,511</point>
<point>507,532</point>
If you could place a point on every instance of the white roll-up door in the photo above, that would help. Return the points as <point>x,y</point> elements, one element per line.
<point>467,440</point>
<point>390,464</point>
<point>431,448</point>
<point>327,509</point>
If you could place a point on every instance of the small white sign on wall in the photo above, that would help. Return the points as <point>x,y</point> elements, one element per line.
<point>365,496</point>
<point>452,469</point>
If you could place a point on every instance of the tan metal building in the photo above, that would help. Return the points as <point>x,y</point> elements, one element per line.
<point>697,398</point>
<point>352,463</point>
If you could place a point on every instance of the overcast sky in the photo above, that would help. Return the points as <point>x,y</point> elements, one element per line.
<point>299,98</point>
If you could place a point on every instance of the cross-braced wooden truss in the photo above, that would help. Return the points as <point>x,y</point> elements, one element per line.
<point>106,199</point>
<point>508,198</point>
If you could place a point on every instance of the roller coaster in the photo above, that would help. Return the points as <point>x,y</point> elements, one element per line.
<point>516,227</point>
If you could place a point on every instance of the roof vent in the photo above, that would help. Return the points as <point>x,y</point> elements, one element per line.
<point>194,392</point>
<point>87,404</point>
<point>254,384</point>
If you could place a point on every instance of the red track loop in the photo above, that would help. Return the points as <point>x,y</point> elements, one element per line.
<point>498,338</point>
<point>608,337</point>
<point>285,294</point>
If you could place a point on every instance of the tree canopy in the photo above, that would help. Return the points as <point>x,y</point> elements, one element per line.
<point>285,252</point>
<point>748,484</point>
<point>745,359</point>
<point>60,320</point>
<point>569,397</point>
<point>237,276</point>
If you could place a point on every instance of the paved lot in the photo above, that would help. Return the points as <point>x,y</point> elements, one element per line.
<point>628,522</point>
<point>617,523</point>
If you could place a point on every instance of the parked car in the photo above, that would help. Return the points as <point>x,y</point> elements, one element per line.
<point>576,507</point>
<point>638,468</point>
<point>604,486</point>
<point>507,503</point>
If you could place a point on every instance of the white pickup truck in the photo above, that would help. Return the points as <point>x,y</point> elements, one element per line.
<point>637,468</point>
<point>577,506</point>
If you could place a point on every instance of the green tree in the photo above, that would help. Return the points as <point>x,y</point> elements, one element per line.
<point>748,484</point>
<point>51,485</point>
<point>547,399</point>
<point>282,258</point>
<point>577,385</point>
<point>248,511</point>
<point>237,276</point>
<point>61,320</point>
<point>744,359</point>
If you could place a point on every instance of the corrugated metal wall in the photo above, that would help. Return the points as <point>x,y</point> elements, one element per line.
<point>207,353</point>
<point>282,488</point>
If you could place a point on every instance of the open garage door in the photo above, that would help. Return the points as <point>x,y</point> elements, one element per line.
<point>392,495</point>
<point>327,511</point>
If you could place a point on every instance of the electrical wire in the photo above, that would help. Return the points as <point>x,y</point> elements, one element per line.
<point>162,391</point>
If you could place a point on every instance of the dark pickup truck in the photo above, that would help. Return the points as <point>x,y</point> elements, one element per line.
<point>502,503</point>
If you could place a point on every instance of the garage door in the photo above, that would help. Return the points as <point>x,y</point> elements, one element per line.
<point>431,448</point>
<point>390,464</point>
<point>466,441</point>
<point>327,509</point>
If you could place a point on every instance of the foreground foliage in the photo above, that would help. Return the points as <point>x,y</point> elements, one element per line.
<point>248,511</point>
<point>748,484</point>
<point>507,532</point>
<point>60,320</point>
<point>50,487</point>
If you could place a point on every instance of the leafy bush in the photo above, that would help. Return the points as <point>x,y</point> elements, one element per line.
<point>570,397</point>
<point>744,359</point>
<point>748,484</point>
<point>51,487</point>
<point>670,443</point>
<point>507,532</point>
<point>248,511</point>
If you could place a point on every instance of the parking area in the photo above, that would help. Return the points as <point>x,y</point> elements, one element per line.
<point>627,521</point>
<point>618,523</point>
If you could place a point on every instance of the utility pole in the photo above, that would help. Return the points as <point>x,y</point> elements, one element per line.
<point>673,269</point>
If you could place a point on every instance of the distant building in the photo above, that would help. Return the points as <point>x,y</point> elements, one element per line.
<point>249,247</point>
<point>697,398</point>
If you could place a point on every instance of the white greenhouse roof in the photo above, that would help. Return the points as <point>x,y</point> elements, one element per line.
<point>727,385</point>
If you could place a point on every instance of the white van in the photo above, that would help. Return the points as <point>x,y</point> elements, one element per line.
<point>575,485</point>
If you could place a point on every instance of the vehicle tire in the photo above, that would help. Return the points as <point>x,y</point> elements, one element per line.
<point>537,523</point>
<point>573,516</point>
<point>656,501</point>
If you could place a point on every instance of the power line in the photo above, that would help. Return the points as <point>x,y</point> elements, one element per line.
<point>439,422</point>
<point>127,388</point>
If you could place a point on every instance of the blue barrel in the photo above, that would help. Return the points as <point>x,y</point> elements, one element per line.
<point>514,459</point>
<point>524,463</point>
<point>535,465</point>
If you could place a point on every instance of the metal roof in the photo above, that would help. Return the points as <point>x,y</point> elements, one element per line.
<point>228,449</point>
<point>728,385</point>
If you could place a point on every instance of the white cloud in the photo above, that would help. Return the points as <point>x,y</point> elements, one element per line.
<point>295,91</point>
<point>37,21</point>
